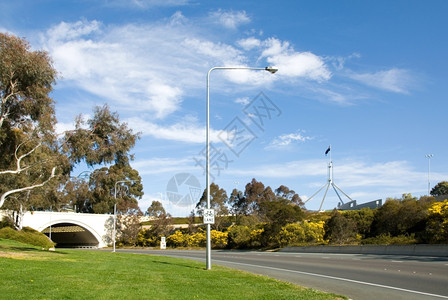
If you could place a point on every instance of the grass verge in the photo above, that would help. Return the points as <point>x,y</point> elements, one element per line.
<point>30,273</point>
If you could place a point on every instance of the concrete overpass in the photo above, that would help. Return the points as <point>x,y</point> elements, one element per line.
<point>69,229</point>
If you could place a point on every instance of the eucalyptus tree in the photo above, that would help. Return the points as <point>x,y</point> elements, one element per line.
<point>35,161</point>
<point>218,202</point>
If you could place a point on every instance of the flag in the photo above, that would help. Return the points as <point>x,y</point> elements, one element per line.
<point>328,150</point>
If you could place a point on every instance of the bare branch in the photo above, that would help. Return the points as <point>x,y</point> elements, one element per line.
<point>3,197</point>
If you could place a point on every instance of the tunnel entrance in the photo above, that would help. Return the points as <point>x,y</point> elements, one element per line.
<point>68,235</point>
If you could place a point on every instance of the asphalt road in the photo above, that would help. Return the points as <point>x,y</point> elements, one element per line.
<point>356,276</point>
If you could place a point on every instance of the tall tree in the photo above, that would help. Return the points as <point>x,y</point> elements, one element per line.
<point>155,209</point>
<point>218,200</point>
<point>285,193</point>
<point>248,203</point>
<point>27,140</point>
<point>161,225</point>
<point>118,184</point>
<point>440,189</point>
<point>33,156</point>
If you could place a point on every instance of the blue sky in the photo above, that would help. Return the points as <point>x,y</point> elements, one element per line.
<point>367,77</point>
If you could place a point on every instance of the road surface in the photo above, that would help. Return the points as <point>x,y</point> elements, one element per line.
<point>356,276</point>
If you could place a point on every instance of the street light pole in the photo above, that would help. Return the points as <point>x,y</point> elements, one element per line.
<point>429,156</point>
<point>207,143</point>
<point>114,233</point>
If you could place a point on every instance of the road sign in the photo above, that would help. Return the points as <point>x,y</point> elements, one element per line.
<point>209,216</point>
<point>163,243</point>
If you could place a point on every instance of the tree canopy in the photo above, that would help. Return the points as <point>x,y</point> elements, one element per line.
<point>440,189</point>
<point>36,161</point>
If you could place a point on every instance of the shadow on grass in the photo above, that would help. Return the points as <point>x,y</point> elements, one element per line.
<point>29,250</point>
<point>178,264</point>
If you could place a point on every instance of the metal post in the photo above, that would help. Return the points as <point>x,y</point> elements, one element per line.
<point>429,156</point>
<point>207,151</point>
<point>115,222</point>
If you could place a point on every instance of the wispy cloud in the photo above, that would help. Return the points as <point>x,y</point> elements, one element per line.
<point>393,80</point>
<point>285,140</point>
<point>230,19</point>
<point>121,64</point>
<point>243,101</point>
<point>377,180</point>
<point>187,130</point>
<point>145,4</point>
<point>160,165</point>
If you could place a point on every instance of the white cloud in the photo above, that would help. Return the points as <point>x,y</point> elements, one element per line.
<point>287,139</point>
<point>121,64</point>
<point>249,43</point>
<point>230,19</point>
<point>62,127</point>
<point>69,31</point>
<point>144,4</point>
<point>394,80</point>
<point>187,131</point>
<point>149,68</point>
<point>225,53</point>
<point>244,101</point>
<point>295,64</point>
<point>349,174</point>
<point>162,165</point>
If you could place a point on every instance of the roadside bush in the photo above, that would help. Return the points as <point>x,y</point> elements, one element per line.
<point>363,219</point>
<point>177,239</point>
<point>196,240</point>
<point>387,239</point>
<point>301,234</point>
<point>145,238</point>
<point>340,230</point>
<point>401,216</point>
<point>28,236</point>
<point>291,234</point>
<point>314,232</point>
<point>437,225</point>
<point>239,236</point>
<point>218,239</point>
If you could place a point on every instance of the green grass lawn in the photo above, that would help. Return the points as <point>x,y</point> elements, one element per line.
<point>30,273</point>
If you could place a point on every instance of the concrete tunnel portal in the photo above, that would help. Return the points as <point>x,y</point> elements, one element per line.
<point>69,235</point>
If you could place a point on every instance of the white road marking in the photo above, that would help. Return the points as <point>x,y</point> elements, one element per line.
<point>338,278</point>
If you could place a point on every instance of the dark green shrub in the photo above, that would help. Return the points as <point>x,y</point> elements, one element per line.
<point>387,239</point>
<point>7,222</point>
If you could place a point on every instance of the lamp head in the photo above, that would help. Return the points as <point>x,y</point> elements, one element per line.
<point>271,69</point>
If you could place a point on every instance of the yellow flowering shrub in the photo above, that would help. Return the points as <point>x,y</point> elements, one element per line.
<point>314,231</point>
<point>145,240</point>
<point>196,240</point>
<point>301,233</point>
<point>177,239</point>
<point>439,208</point>
<point>437,226</point>
<point>218,239</point>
